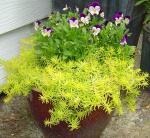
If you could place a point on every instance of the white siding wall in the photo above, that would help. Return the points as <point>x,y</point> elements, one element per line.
<point>10,45</point>
<point>16,17</point>
<point>17,13</point>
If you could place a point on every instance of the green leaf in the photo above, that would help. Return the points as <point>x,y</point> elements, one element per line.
<point>140,2</point>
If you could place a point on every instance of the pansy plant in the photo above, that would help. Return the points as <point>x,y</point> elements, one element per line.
<point>102,14</point>
<point>74,23</point>
<point>85,19</point>
<point>96,29</point>
<point>127,19</point>
<point>118,17</point>
<point>37,25</point>
<point>123,42</point>
<point>75,32</point>
<point>94,8</point>
<point>46,31</point>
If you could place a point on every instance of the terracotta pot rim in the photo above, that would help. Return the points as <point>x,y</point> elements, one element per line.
<point>40,93</point>
<point>90,126</point>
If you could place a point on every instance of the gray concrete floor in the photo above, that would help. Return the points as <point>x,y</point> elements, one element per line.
<point>16,120</point>
<point>131,124</point>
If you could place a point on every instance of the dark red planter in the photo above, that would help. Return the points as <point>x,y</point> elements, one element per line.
<point>91,127</point>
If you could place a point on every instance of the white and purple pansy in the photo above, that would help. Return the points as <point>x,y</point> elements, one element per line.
<point>102,13</point>
<point>124,40</point>
<point>47,31</point>
<point>94,8</point>
<point>74,23</point>
<point>37,25</point>
<point>85,19</point>
<point>96,29</point>
<point>118,17</point>
<point>127,19</point>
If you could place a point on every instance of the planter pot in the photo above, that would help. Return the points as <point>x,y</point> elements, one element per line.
<point>91,127</point>
<point>145,56</point>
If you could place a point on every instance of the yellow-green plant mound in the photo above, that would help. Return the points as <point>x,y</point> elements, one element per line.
<point>75,88</point>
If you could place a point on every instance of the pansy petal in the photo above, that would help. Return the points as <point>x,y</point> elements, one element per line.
<point>98,8</point>
<point>102,14</point>
<point>124,40</point>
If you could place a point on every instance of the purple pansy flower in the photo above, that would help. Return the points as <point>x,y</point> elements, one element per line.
<point>127,19</point>
<point>84,18</point>
<point>74,23</point>
<point>94,8</point>
<point>118,17</point>
<point>124,40</point>
<point>37,25</point>
<point>96,29</point>
<point>47,31</point>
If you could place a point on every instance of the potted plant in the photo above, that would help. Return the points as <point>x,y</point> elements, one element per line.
<point>75,70</point>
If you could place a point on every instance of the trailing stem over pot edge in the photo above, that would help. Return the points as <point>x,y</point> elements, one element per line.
<point>78,61</point>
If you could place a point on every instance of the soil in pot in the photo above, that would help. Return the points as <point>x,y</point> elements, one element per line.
<point>91,127</point>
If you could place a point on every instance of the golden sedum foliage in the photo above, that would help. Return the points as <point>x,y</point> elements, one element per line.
<point>75,88</point>
<point>22,73</point>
